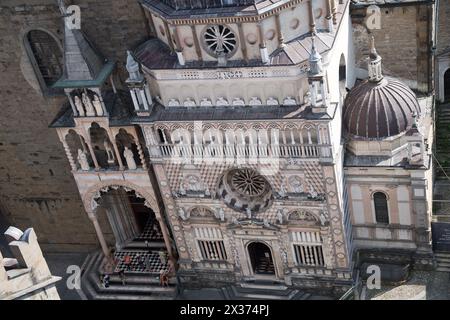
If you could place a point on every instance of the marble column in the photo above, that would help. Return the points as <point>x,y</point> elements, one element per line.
<point>99,232</point>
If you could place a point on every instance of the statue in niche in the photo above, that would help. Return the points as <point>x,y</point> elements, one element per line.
<point>248,212</point>
<point>83,161</point>
<point>282,190</point>
<point>313,193</point>
<point>207,192</point>
<point>266,223</point>
<point>97,105</point>
<point>221,214</point>
<point>79,106</point>
<point>90,112</point>
<point>182,214</point>
<point>109,151</point>
<point>182,189</point>
<point>129,157</point>
<point>323,219</point>
<point>280,216</point>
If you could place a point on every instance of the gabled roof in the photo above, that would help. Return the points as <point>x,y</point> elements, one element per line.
<point>83,65</point>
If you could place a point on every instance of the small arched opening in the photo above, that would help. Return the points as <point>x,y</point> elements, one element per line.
<point>380,203</point>
<point>261,259</point>
<point>342,78</point>
<point>447,85</point>
<point>46,57</point>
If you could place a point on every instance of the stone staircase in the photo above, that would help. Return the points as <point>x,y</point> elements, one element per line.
<point>442,261</point>
<point>263,290</point>
<point>443,139</point>
<point>139,286</point>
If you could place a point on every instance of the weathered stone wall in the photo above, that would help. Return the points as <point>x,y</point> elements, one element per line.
<point>443,27</point>
<point>36,185</point>
<point>403,42</point>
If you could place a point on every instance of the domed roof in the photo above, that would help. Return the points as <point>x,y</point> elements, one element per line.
<point>379,107</point>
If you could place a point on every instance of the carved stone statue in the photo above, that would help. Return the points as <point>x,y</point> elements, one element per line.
<point>98,106</point>
<point>129,157</point>
<point>313,193</point>
<point>109,151</point>
<point>266,223</point>
<point>182,189</point>
<point>90,112</point>
<point>323,219</point>
<point>207,192</point>
<point>83,161</point>
<point>249,212</point>
<point>182,214</point>
<point>79,106</point>
<point>282,191</point>
<point>221,215</point>
<point>280,216</point>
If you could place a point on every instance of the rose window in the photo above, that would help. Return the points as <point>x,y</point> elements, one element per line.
<point>219,40</point>
<point>243,189</point>
<point>248,182</point>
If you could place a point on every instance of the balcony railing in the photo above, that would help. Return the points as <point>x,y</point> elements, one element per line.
<point>241,151</point>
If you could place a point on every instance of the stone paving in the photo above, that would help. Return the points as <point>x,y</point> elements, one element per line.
<point>58,263</point>
<point>422,285</point>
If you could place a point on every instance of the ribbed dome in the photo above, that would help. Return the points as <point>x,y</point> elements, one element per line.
<point>381,109</point>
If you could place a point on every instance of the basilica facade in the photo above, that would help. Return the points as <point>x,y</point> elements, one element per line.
<point>246,145</point>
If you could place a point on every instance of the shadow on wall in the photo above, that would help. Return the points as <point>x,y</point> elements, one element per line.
<point>4,248</point>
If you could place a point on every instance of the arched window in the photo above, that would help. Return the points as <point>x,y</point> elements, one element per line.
<point>342,78</point>
<point>46,57</point>
<point>381,207</point>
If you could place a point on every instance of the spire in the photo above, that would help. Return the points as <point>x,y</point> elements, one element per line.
<point>374,66</point>
<point>133,68</point>
<point>315,60</point>
<point>81,61</point>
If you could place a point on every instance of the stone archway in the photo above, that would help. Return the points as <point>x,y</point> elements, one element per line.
<point>261,259</point>
<point>89,197</point>
<point>91,202</point>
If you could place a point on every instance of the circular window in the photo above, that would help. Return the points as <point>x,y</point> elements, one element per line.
<point>248,182</point>
<point>244,189</point>
<point>219,40</point>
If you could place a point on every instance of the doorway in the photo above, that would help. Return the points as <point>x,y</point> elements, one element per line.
<point>447,85</point>
<point>261,259</point>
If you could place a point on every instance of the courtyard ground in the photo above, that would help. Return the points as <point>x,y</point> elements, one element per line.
<point>422,285</point>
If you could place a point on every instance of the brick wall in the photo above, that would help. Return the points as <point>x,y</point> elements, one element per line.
<point>36,186</point>
<point>443,28</point>
<point>402,42</point>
